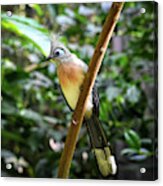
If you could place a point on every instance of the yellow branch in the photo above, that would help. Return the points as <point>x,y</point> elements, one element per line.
<point>33,67</point>
<point>95,63</point>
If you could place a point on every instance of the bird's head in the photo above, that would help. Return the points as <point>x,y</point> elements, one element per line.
<point>58,52</point>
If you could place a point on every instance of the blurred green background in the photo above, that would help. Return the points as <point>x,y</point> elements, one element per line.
<point>35,117</point>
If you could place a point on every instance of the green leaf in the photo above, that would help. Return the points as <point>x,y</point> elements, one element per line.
<point>31,30</point>
<point>132,139</point>
<point>38,9</point>
<point>113,92</point>
<point>136,155</point>
<point>32,115</point>
<point>128,151</point>
<point>133,94</point>
<point>146,141</point>
<point>8,108</point>
<point>7,135</point>
<point>51,120</point>
<point>27,21</point>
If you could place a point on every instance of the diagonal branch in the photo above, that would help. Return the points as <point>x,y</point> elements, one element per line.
<point>95,63</point>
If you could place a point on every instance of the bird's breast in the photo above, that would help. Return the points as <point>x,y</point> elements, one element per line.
<point>71,77</point>
<point>70,74</point>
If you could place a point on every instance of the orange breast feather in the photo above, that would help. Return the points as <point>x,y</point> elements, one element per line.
<point>70,73</point>
<point>71,77</point>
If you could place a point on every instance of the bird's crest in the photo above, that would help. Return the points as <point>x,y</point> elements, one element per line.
<point>55,41</point>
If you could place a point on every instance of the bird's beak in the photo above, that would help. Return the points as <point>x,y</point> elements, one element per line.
<point>48,58</point>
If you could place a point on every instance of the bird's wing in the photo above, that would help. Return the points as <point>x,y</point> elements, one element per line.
<point>95,98</point>
<point>78,61</point>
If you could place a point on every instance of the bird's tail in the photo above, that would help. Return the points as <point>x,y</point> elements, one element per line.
<point>105,160</point>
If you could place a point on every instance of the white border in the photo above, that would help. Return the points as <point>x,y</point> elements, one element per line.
<point>56,2</point>
<point>52,182</point>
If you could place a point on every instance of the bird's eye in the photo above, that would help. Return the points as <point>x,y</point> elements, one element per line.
<point>59,52</point>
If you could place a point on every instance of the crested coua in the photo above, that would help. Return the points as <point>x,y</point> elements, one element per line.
<point>71,72</point>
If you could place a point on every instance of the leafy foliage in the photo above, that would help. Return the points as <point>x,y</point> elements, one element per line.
<point>34,116</point>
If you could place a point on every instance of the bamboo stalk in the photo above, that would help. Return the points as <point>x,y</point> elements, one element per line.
<point>95,63</point>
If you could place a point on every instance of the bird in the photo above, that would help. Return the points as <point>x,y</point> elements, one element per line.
<point>71,72</point>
